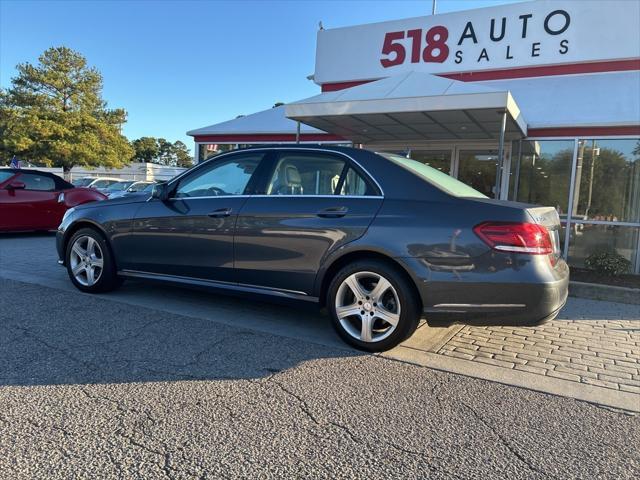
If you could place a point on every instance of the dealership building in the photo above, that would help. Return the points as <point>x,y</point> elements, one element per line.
<point>535,101</point>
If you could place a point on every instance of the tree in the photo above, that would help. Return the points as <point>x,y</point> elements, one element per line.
<point>162,152</point>
<point>183,159</point>
<point>54,115</point>
<point>145,149</point>
<point>166,156</point>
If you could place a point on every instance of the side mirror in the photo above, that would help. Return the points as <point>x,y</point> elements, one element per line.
<point>16,186</point>
<point>159,192</point>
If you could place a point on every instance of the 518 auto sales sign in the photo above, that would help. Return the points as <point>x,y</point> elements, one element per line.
<point>544,32</point>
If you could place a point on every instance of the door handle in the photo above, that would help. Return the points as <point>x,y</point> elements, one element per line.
<point>333,212</point>
<point>219,213</point>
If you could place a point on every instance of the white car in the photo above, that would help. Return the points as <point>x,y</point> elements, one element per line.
<point>98,183</point>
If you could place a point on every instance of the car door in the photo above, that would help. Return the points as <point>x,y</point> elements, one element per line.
<point>191,233</point>
<point>311,203</point>
<point>35,206</point>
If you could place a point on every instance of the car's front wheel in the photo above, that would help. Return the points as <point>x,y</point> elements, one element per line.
<point>372,305</point>
<point>90,263</point>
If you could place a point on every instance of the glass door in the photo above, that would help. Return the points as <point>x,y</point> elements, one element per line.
<point>478,167</point>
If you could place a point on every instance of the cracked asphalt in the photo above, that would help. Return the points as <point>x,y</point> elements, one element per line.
<point>95,388</point>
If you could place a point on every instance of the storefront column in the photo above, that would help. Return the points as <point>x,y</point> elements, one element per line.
<point>196,153</point>
<point>570,207</point>
<point>503,128</point>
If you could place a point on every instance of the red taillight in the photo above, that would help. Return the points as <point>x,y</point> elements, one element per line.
<point>516,237</point>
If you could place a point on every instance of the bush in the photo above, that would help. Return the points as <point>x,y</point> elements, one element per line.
<point>608,262</point>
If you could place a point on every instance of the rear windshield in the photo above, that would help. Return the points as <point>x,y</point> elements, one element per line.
<point>83,182</point>
<point>435,177</point>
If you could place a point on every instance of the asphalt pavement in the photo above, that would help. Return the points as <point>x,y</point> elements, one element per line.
<point>94,387</point>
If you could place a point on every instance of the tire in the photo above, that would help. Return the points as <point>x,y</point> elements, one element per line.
<point>393,302</point>
<point>89,255</point>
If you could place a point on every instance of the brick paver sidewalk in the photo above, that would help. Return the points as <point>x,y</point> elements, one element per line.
<point>595,347</point>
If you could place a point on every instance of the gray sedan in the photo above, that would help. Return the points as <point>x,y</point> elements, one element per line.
<point>378,239</point>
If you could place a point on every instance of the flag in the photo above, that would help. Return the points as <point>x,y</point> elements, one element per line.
<point>15,163</point>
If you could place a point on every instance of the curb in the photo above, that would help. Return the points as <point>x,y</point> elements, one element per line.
<point>608,293</point>
<point>531,381</point>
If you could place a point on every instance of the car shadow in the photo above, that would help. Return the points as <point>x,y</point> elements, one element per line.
<point>54,337</point>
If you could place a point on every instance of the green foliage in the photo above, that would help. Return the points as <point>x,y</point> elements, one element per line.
<point>54,115</point>
<point>161,151</point>
<point>145,149</point>
<point>608,262</point>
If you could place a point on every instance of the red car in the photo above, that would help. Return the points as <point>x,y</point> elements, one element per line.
<point>34,200</point>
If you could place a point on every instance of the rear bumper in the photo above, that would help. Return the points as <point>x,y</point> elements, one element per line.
<point>528,304</point>
<point>532,294</point>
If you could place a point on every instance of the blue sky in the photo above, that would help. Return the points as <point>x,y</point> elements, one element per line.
<point>179,65</point>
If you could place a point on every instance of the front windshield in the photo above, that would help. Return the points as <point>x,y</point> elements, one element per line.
<point>435,177</point>
<point>118,186</point>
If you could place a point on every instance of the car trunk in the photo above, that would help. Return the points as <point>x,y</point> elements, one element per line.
<point>548,217</point>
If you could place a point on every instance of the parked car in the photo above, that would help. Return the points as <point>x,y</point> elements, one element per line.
<point>116,188</point>
<point>34,200</point>
<point>134,187</point>
<point>378,239</point>
<point>84,181</point>
<point>98,183</point>
<point>103,183</point>
<point>149,188</point>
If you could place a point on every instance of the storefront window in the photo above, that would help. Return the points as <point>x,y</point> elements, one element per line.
<point>587,239</point>
<point>438,159</point>
<point>607,180</point>
<point>478,168</point>
<point>208,150</point>
<point>541,173</point>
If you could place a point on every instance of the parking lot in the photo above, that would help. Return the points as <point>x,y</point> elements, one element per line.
<point>155,381</point>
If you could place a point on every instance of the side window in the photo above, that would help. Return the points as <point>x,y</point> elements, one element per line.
<point>223,177</point>
<point>37,182</point>
<point>305,174</point>
<point>354,184</point>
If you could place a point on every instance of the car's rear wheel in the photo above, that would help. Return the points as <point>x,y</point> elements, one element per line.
<point>372,305</point>
<point>90,263</point>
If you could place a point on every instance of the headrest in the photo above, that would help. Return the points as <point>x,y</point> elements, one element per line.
<point>292,175</point>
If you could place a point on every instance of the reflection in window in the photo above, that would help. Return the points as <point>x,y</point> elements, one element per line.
<point>608,180</point>
<point>541,173</point>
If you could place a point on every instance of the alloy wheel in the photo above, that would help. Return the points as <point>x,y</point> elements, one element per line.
<point>367,306</point>
<point>86,260</point>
